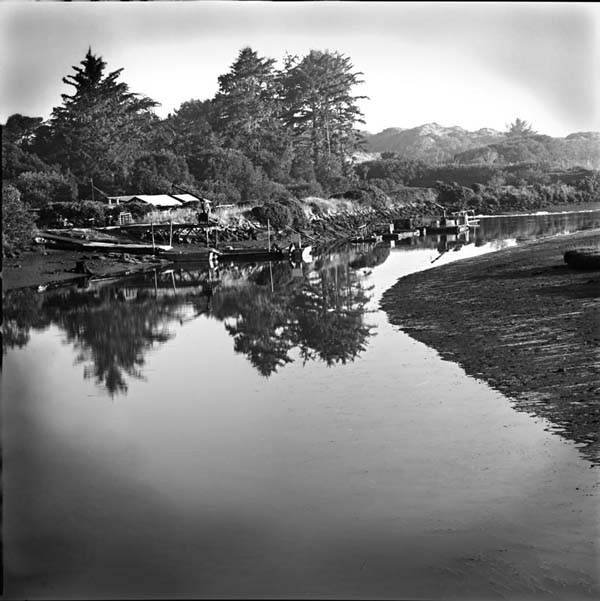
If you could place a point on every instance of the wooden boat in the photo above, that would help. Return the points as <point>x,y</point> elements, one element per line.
<point>201,255</point>
<point>583,258</point>
<point>68,243</point>
<point>253,254</point>
<point>442,227</point>
<point>457,223</point>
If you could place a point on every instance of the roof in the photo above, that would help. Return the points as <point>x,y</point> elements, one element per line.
<point>187,198</point>
<point>157,200</point>
<point>121,198</point>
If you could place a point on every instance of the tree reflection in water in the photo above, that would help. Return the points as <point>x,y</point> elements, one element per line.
<point>320,314</point>
<point>268,310</point>
<point>330,312</point>
<point>111,328</point>
<point>21,311</point>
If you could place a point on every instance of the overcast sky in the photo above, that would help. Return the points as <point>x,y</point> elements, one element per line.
<point>468,64</point>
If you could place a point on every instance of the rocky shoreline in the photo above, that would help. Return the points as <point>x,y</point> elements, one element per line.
<point>521,320</point>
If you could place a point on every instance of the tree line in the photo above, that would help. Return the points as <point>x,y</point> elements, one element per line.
<point>269,137</point>
<point>267,133</point>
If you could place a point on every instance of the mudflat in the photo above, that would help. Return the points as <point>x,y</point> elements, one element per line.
<point>40,268</point>
<point>521,320</point>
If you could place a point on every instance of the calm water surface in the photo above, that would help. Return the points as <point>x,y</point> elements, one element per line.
<point>263,431</point>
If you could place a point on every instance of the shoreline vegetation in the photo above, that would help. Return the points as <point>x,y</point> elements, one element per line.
<point>521,320</point>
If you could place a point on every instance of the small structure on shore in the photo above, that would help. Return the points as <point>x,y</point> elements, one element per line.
<point>159,201</point>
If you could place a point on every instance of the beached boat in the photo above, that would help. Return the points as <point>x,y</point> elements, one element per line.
<point>583,258</point>
<point>69,243</point>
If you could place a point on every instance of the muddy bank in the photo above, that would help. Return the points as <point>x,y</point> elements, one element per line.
<point>521,320</point>
<point>43,267</point>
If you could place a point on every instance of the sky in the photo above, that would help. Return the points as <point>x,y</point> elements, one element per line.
<point>468,64</point>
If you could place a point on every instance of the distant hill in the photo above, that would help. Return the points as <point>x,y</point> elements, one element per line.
<point>435,144</point>
<point>580,149</point>
<point>430,142</point>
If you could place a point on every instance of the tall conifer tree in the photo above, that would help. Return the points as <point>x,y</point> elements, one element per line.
<point>100,129</point>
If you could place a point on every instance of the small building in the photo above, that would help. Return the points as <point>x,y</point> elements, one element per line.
<point>161,201</point>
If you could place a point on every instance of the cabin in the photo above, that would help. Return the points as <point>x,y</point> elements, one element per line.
<point>159,201</point>
<point>162,201</point>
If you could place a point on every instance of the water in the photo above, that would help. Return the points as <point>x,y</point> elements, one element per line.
<point>264,431</point>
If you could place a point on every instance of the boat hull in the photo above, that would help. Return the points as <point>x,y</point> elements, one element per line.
<point>208,256</point>
<point>66,243</point>
<point>252,255</point>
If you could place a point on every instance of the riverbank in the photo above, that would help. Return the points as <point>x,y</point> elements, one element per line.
<point>43,267</point>
<point>40,266</point>
<point>521,320</point>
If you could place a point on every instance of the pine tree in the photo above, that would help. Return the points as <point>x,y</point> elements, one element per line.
<point>247,110</point>
<point>246,102</point>
<point>99,129</point>
<point>321,110</point>
<point>519,128</point>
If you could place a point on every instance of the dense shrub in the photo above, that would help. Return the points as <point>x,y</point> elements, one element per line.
<point>276,213</point>
<point>590,183</point>
<point>17,221</point>
<point>332,176</point>
<point>38,188</point>
<point>81,214</point>
<point>303,189</point>
<point>226,175</point>
<point>506,199</point>
<point>366,195</point>
<point>454,196</point>
<point>16,161</point>
<point>296,209</point>
<point>391,169</point>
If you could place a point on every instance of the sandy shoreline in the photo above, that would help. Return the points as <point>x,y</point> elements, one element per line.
<point>521,320</point>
